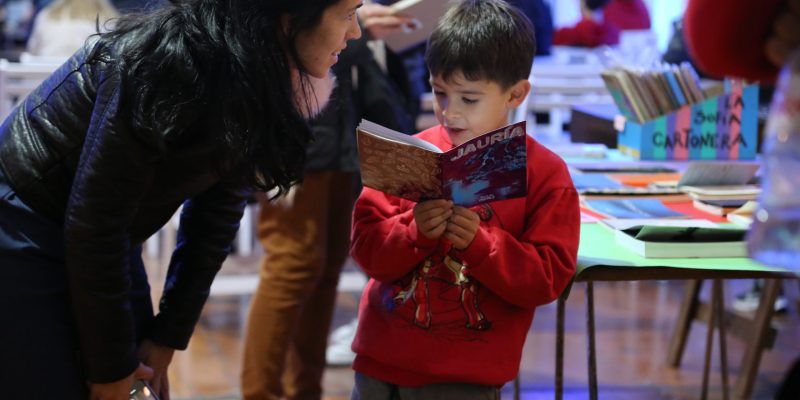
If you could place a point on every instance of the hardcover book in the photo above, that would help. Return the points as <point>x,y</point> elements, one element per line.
<point>490,167</point>
<point>683,242</point>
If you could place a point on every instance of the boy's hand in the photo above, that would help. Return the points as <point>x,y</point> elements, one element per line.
<point>431,217</point>
<point>462,227</point>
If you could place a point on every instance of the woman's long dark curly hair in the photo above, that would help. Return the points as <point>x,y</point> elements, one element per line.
<point>191,60</point>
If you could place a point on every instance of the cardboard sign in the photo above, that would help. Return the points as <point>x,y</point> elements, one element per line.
<point>718,128</point>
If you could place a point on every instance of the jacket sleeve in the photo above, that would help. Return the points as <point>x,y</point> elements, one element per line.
<point>386,242</point>
<point>208,225</point>
<point>115,169</point>
<point>534,269</point>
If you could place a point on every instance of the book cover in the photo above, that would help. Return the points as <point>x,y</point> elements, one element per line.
<point>633,208</point>
<point>593,181</point>
<point>719,206</point>
<point>651,241</point>
<point>425,14</point>
<point>718,173</point>
<point>490,167</point>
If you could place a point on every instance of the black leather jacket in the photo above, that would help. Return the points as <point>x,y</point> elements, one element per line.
<point>71,154</point>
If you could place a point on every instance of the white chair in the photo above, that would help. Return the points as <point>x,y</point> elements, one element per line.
<point>17,80</point>
<point>569,76</point>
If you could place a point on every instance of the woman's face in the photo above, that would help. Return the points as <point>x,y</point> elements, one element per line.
<point>319,47</point>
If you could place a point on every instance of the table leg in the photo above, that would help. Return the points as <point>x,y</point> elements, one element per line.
<point>719,310</point>
<point>709,345</point>
<point>560,345</point>
<point>686,315</point>
<point>591,344</point>
<point>516,389</point>
<point>755,344</point>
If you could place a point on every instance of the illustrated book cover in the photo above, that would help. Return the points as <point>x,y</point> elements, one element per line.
<point>490,167</point>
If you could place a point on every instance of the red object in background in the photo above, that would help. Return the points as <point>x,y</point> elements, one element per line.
<point>627,14</point>
<point>726,38</point>
<point>587,33</point>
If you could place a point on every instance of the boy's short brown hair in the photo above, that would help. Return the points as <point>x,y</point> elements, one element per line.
<point>484,39</point>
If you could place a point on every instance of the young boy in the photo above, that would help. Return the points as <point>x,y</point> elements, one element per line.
<point>453,290</point>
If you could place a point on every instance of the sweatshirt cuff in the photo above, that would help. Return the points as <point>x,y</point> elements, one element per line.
<point>478,250</point>
<point>418,239</point>
<point>110,369</point>
<point>169,334</point>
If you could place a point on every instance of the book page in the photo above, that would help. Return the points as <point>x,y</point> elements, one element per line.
<point>374,129</point>
<point>491,167</point>
<point>399,168</point>
<point>718,173</point>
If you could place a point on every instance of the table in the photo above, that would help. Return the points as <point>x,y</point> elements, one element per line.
<point>600,258</point>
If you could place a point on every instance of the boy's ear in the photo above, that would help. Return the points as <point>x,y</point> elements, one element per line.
<point>518,92</point>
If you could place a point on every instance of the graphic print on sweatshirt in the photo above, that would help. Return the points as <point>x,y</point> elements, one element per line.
<point>440,292</point>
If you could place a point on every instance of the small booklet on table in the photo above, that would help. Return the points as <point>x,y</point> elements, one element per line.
<point>490,167</point>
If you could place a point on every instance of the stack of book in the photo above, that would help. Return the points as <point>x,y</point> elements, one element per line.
<point>688,238</point>
<point>643,95</point>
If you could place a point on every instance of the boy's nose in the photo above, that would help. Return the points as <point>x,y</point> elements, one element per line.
<point>449,111</point>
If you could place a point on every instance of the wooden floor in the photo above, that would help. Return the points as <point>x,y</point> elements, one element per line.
<point>634,323</point>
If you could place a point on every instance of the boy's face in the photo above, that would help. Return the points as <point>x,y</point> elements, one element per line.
<point>468,109</point>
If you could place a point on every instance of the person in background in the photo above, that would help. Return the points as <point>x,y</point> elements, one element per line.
<point>721,47</point>
<point>591,31</point>
<point>306,234</point>
<point>627,14</point>
<point>63,26</point>
<point>419,335</point>
<point>197,103</point>
<point>128,6</point>
<point>542,18</point>
<point>755,54</point>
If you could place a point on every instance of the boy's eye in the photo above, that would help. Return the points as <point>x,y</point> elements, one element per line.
<point>469,101</point>
<point>438,94</point>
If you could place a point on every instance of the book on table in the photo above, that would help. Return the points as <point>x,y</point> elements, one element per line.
<point>490,167</point>
<point>633,208</point>
<point>719,206</point>
<point>743,216</point>
<point>740,192</point>
<point>692,238</point>
<point>718,173</point>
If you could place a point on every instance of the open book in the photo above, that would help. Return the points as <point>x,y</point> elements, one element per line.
<point>424,13</point>
<point>490,167</point>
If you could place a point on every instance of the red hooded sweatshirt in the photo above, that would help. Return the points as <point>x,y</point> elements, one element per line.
<point>423,320</point>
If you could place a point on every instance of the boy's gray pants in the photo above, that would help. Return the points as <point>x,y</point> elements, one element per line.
<point>367,388</point>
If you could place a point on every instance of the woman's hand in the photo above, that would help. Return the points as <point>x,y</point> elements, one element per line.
<point>121,389</point>
<point>381,21</point>
<point>158,358</point>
